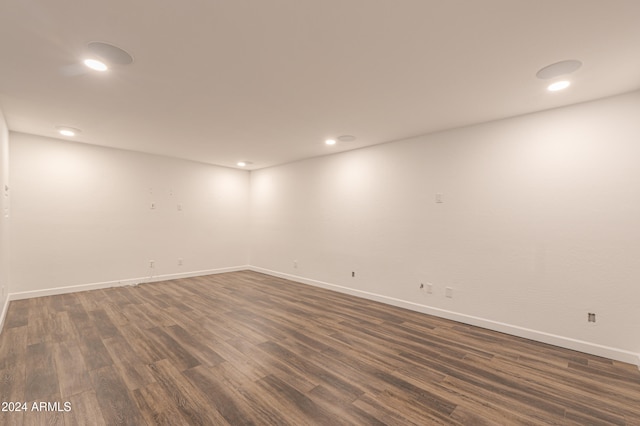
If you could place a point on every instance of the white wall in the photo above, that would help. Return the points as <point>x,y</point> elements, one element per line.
<point>4,217</point>
<point>81,216</point>
<point>540,224</point>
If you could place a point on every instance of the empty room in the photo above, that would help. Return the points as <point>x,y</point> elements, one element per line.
<point>306,212</point>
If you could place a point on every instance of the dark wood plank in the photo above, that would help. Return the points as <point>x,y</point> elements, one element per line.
<point>316,372</point>
<point>101,321</point>
<point>157,407</point>
<point>50,413</point>
<point>85,410</point>
<point>79,317</point>
<point>200,348</point>
<point>115,401</point>
<point>179,356</point>
<point>142,344</point>
<point>42,380</point>
<point>17,314</point>
<point>91,300</point>
<point>62,328</point>
<point>184,396</point>
<point>116,314</point>
<point>93,350</point>
<point>72,371</point>
<point>343,408</point>
<point>220,396</point>
<point>13,346</point>
<point>131,369</point>
<point>296,403</point>
<point>12,388</point>
<point>265,407</point>
<point>135,316</point>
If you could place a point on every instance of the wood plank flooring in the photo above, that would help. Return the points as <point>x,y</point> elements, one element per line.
<point>245,348</point>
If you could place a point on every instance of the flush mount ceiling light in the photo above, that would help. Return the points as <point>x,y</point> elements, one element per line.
<point>559,85</point>
<point>330,142</point>
<point>102,55</point>
<point>67,131</point>
<point>243,163</point>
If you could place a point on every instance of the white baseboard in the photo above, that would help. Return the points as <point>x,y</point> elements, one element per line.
<point>5,308</point>
<point>120,283</point>
<point>540,336</point>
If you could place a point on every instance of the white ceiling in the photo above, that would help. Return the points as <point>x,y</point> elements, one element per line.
<point>268,80</point>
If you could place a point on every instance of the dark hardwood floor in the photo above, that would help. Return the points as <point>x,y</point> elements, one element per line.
<point>245,348</point>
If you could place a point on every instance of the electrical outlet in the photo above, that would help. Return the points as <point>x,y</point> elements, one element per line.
<point>180,261</point>
<point>152,206</point>
<point>353,274</point>
<point>152,264</point>
<point>448,292</point>
<point>295,264</point>
<point>591,317</point>
<point>429,288</point>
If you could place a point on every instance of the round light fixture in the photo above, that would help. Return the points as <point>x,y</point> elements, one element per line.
<point>558,69</point>
<point>553,71</point>
<point>96,65</point>
<point>243,163</point>
<point>559,85</point>
<point>67,131</point>
<point>109,53</point>
<point>103,55</point>
<point>330,142</point>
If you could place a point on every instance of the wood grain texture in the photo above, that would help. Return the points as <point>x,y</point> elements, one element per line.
<point>248,349</point>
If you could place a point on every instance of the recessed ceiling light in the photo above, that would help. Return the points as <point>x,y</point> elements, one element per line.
<point>68,131</point>
<point>109,53</point>
<point>559,85</point>
<point>558,69</point>
<point>102,55</point>
<point>330,142</point>
<point>95,64</point>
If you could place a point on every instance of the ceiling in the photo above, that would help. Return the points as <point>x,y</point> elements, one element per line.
<point>267,81</point>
